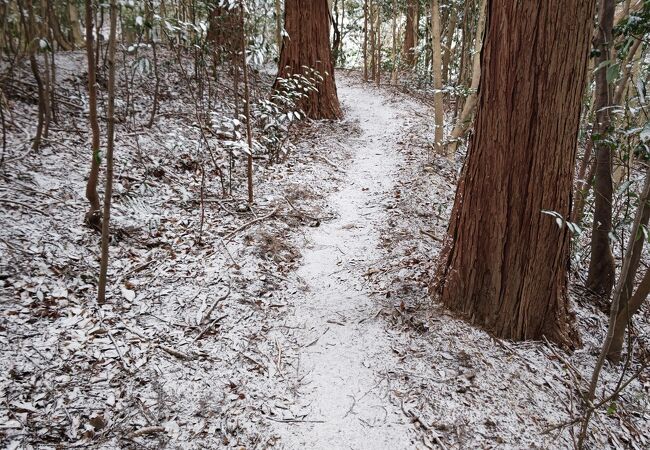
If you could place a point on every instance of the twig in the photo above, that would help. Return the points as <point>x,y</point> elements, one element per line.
<point>252,222</point>
<point>24,205</point>
<point>599,404</point>
<point>295,420</point>
<point>207,314</point>
<point>257,363</point>
<point>147,430</point>
<point>302,213</point>
<point>174,352</point>
<point>119,353</point>
<point>210,325</point>
<point>415,418</point>
<point>431,235</point>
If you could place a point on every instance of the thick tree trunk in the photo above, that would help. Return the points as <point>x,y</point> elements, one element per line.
<point>75,26</point>
<point>411,33</point>
<point>504,262</point>
<point>602,266</point>
<point>222,32</point>
<point>308,45</point>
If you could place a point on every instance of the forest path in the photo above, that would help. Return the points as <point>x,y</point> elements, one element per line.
<point>346,359</point>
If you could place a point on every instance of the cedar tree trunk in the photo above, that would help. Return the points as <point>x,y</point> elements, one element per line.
<point>410,36</point>
<point>504,262</point>
<point>308,45</point>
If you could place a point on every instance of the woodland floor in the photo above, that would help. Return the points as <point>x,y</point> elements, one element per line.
<point>311,328</point>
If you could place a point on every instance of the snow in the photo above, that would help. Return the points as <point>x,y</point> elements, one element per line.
<point>310,329</point>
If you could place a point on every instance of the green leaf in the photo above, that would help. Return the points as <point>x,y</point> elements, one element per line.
<point>611,409</point>
<point>613,72</point>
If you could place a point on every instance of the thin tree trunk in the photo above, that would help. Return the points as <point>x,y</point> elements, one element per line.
<point>378,33</point>
<point>470,103</point>
<point>29,24</point>
<point>247,109</point>
<point>56,28</point>
<point>627,72</point>
<point>436,62</point>
<point>583,184</point>
<point>110,144</point>
<point>93,215</point>
<point>600,278</point>
<point>373,41</point>
<point>446,57</point>
<point>278,25</point>
<point>623,318</point>
<point>628,303</point>
<point>365,40</point>
<point>462,63</point>
<point>614,312</point>
<point>504,262</point>
<point>393,77</point>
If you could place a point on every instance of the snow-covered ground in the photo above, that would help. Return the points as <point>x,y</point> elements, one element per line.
<point>311,328</point>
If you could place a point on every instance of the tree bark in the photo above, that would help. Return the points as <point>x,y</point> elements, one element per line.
<point>365,40</point>
<point>278,25</point>
<point>623,318</point>
<point>247,107</point>
<point>308,45</point>
<point>504,262</point>
<point>75,26</point>
<point>449,38</point>
<point>29,24</point>
<point>629,301</point>
<point>436,63</point>
<point>470,103</point>
<point>393,77</point>
<point>56,28</point>
<point>110,144</point>
<point>600,278</point>
<point>411,33</point>
<point>378,46</point>
<point>93,215</point>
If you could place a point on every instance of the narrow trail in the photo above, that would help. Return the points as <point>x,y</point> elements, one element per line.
<point>346,361</point>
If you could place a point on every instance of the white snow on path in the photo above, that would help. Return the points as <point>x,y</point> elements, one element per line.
<point>346,359</point>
